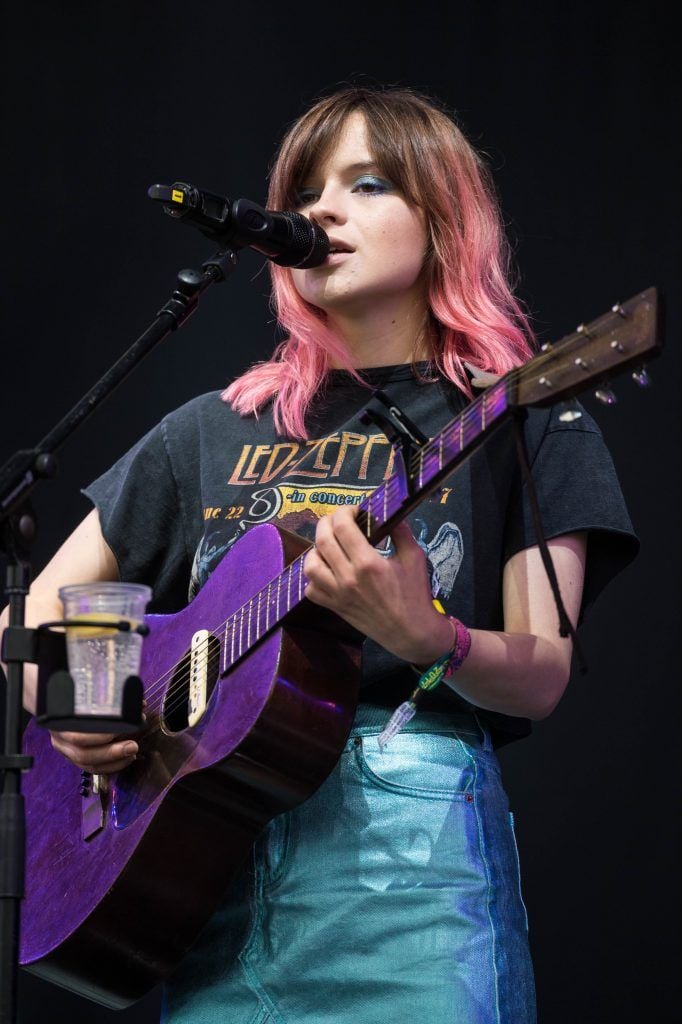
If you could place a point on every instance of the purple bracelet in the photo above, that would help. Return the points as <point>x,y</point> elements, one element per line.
<point>461,647</point>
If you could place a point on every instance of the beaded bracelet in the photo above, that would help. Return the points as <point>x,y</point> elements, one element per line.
<point>453,660</point>
<point>460,648</point>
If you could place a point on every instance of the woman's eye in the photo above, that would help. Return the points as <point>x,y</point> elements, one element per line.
<point>369,186</point>
<point>305,196</point>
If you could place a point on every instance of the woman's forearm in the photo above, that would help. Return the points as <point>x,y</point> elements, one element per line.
<point>513,673</point>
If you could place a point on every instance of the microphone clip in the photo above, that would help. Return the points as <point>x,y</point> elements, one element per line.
<point>208,212</point>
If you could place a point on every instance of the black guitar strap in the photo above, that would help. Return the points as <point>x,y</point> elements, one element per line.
<point>566,627</point>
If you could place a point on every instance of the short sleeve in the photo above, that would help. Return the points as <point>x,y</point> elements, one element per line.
<point>577,490</point>
<point>143,520</point>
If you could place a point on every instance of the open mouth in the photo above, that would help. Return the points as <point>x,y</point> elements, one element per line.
<point>338,247</point>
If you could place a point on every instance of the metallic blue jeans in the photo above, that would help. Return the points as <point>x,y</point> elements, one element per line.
<point>392,895</point>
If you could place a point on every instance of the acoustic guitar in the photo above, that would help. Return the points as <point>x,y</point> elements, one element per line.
<point>250,692</point>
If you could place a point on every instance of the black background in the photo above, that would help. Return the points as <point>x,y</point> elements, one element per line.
<point>577,107</point>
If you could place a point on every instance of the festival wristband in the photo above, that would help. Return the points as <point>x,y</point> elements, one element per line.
<point>430,678</point>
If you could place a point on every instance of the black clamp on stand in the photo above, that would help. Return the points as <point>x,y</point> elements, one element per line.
<point>404,435</point>
<point>55,704</point>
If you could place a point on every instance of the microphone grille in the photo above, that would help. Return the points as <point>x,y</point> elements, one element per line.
<point>309,245</point>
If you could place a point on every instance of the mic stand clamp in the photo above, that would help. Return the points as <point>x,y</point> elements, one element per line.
<point>55,704</point>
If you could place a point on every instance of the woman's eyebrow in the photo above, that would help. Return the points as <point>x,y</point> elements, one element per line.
<point>365,165</point>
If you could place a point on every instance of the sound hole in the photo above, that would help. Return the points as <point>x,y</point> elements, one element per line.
<point>175,710</point>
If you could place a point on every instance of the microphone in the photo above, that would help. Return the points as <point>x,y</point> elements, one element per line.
<point>288,239</point>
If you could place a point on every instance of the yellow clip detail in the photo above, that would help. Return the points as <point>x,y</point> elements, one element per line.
<point>438,606</point>
<point>177,196</point>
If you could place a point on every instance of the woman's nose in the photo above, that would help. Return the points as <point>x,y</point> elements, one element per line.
<point>327,209</point>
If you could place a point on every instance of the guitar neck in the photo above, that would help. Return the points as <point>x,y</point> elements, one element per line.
<point>377,513</point>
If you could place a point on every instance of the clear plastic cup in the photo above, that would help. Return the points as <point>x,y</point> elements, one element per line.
<point>101,658</point>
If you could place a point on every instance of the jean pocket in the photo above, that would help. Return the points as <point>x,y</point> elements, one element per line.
<point>432,765</point>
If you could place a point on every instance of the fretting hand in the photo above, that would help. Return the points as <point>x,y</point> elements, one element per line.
<point>388,599</point>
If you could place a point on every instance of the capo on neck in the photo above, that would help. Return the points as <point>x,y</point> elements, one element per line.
<point>404,435</point>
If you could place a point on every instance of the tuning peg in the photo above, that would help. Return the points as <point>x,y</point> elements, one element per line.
<point>570,413</point>
<point>641,377</point>
<point>617,308</point>
<point>606,396</point>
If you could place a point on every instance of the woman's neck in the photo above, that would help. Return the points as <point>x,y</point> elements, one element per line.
<point>382,338</point>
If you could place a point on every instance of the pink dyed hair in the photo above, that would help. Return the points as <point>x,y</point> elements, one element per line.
<point>473,314</point>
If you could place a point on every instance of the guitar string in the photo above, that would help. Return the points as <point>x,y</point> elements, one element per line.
<point>430,449</point>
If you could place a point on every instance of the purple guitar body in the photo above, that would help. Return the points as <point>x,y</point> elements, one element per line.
<point>111,915</point>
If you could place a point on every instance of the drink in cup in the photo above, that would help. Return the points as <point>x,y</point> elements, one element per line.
<point>102,657</point>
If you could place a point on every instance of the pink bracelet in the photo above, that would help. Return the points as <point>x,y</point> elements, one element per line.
<point>460,648</point>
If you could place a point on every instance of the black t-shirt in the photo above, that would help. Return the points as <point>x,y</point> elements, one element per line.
<point>186,492</point>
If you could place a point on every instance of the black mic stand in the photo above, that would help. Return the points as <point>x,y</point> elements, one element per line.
<point>18,477</point>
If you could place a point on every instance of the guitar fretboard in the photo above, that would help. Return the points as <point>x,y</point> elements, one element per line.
<point>390,502</point>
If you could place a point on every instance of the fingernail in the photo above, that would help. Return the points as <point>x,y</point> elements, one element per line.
<point>129,749</point>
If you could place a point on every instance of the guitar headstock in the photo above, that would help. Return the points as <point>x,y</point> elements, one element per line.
<point>628,335</point>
